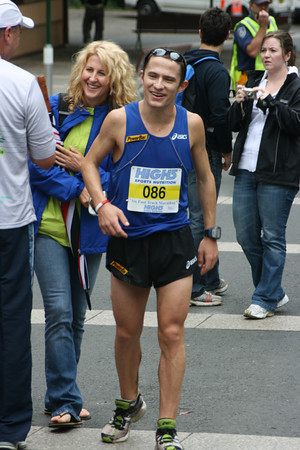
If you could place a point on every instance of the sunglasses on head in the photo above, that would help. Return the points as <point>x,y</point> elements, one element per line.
<point>174,56</point>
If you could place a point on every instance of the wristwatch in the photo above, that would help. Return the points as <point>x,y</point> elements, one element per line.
<point>213,233</point>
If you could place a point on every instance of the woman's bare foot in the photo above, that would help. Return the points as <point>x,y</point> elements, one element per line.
<point>65,420</point>
<point>84,414</point>
<point>63,417</point>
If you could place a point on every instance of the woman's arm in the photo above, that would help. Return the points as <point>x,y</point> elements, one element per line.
<point>287,115</point>
<point>237,111</point>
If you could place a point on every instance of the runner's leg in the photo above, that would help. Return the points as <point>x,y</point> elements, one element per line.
<point>129,303</point>
<point>172,308</point>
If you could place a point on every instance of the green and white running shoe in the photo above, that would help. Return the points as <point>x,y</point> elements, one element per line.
<point>118,428</point>
<point>166,435</point>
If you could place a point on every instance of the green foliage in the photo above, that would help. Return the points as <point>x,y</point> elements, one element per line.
<point>75,3</point>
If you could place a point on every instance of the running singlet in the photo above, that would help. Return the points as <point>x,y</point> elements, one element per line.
<point>149,181</point>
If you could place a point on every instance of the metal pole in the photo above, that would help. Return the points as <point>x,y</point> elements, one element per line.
<point>48,49</point>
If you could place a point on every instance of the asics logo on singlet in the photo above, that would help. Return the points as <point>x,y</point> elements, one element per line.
<point>190,262</point>
<point>178,136</point>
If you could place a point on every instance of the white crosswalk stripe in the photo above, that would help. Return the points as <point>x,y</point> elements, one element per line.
<point>196,320</point>
<point>227,200</point>
<point>235,247</point>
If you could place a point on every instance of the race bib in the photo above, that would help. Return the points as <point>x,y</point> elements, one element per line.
<point>154,190</point>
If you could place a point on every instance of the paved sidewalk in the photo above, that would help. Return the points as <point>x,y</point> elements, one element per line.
<point>41,438</point>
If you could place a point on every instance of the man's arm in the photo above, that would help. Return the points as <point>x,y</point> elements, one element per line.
<point>111,137</point>
<point>218,85</point>
<point>208,249</point>
<point>253,48</point>
<point>45,163</point>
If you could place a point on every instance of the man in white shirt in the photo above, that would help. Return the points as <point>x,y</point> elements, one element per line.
<point>25,130</point>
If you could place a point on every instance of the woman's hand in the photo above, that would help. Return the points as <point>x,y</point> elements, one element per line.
<point>69,159</point>
<point>244,93</point>
<point>264,94</point>
<point>241,95</point>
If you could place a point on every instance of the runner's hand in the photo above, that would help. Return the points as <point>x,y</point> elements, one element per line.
<point>109,218</point>
<point>207,254</point>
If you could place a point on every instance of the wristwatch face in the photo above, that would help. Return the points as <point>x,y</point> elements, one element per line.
<point>214,233</point>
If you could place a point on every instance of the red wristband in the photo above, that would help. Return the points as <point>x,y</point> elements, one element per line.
<point>101,204</point>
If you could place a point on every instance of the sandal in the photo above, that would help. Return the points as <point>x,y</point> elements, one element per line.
<point>72,423</point>
<point>7,445</point>
<point>87,417</point>
<point>12,445</point>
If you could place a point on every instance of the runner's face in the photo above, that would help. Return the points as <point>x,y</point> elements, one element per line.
<point>95,82</point>
<point>272,55</point>
<point>161,80</point>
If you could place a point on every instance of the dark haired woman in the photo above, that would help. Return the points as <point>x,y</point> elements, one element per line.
<point>266,164</point>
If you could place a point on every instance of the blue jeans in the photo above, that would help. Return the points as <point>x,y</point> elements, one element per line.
<point>211,279</point>
<point>260,215</point>
<point>15,329</point>
<point>65,308</point>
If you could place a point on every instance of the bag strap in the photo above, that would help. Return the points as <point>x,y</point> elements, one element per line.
<point>63,109</point>
<point>204,59</point>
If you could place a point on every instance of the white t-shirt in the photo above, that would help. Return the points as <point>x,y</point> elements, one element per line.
<point>249,156</point>
<point>25,129</point>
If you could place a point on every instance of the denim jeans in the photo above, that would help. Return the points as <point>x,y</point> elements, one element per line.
<point>260,215</point>
<point>65,309</point>
<point>211,279</point>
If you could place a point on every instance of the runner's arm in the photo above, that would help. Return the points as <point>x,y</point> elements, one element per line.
<point>111,137</point>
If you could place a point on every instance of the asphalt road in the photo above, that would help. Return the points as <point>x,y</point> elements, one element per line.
<point>241,389</point>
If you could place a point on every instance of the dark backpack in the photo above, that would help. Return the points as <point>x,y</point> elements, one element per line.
<point>188,98</point>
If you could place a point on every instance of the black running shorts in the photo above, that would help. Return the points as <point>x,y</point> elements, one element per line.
<point>157,259</point>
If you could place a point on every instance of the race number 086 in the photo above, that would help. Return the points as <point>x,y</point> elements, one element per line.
<point>154,192</point>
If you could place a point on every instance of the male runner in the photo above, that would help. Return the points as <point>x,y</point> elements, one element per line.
<point>155,145</point>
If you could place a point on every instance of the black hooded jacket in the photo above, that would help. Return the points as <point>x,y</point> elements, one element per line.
<point>213,83</point>
<point>279,153</point>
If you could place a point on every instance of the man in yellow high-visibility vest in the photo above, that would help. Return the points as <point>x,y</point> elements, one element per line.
<point>248,36</point>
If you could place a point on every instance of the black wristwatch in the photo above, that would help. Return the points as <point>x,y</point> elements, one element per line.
<point>213,233</point>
